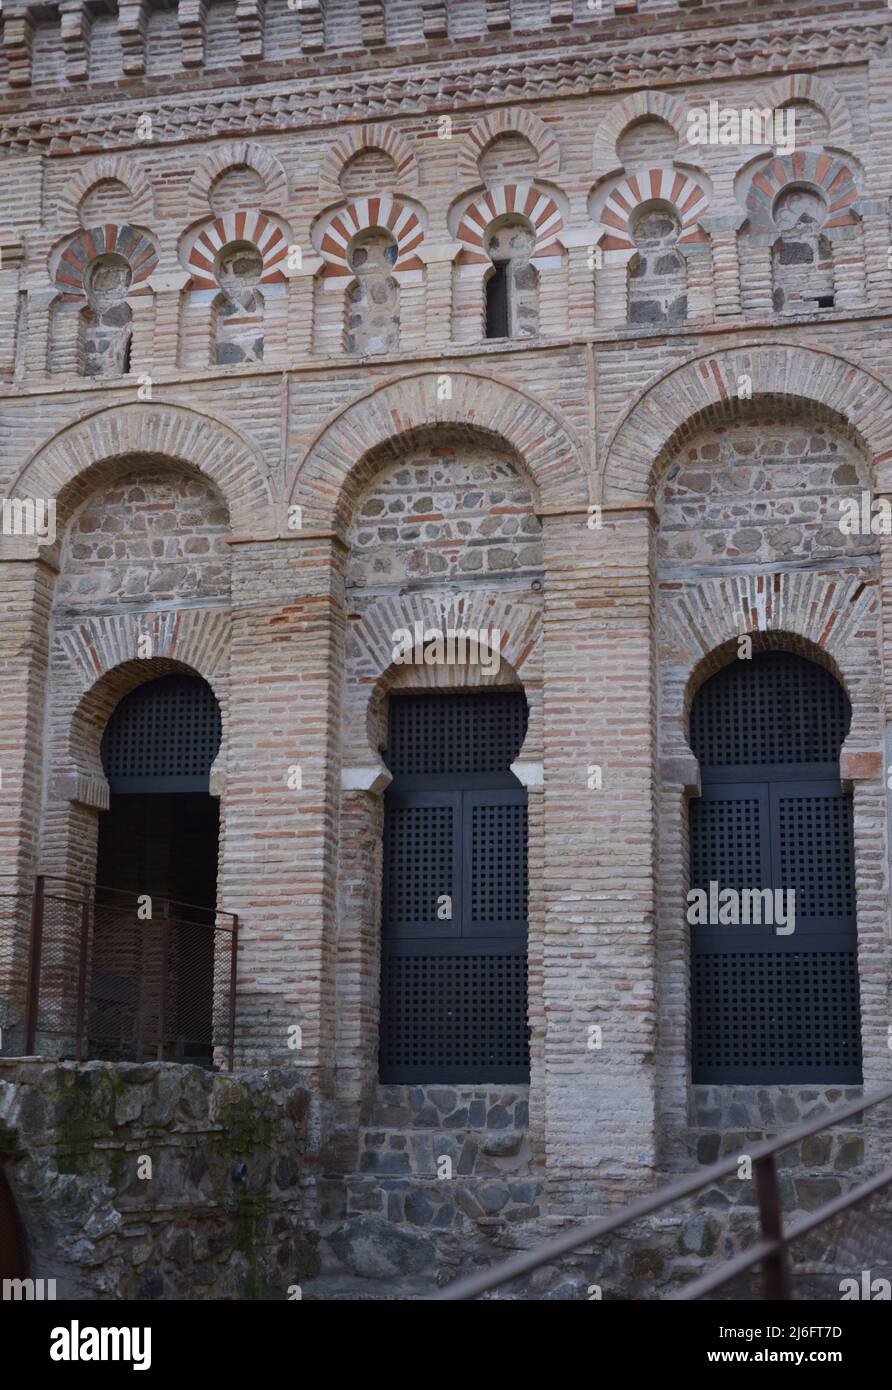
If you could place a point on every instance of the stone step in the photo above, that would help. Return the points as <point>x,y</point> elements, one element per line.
<point>435,1205</point>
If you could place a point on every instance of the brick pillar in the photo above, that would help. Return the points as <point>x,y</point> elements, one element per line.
<point>167,293</point>
<point>581,271</point>
<point>599,858</point>
<point>142,342</point>
<point>37,338</point>
<point>725,267</point>
<point>438,293</point>
<point>11,257</point>
<point>877,244</point>
<point>280,840</point>
<point>301,295</point>
<point>27,587</point>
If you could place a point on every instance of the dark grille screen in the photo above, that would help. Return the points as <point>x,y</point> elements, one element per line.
<point>163,736</point>
<point>790,1012</point>
<point>774,708</point>
<point>438,734</point>
<point>727,843</point>
<point>463,1015</point>
<point>771,1007</point>
<point>816,853</point>
<point>419,862</point>
<point>498,863</point>
<point>453,987</point>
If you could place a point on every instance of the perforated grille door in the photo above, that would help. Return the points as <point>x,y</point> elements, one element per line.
<point>769,1005</point>
<point>163,737</point>
<point>774,708</point>
<point>437,735</point>
<point>454,987</point>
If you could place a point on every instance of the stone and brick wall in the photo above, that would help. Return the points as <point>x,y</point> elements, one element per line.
<point>298,439</point>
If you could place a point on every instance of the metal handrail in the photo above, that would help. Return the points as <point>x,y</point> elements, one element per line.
<point>772,1250</point>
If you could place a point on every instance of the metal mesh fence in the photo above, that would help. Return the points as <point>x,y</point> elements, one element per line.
<point>99,973</point>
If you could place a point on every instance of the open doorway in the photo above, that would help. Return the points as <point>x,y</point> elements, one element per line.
<point>153,967</point>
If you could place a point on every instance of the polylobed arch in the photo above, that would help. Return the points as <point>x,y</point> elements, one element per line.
<point>763,640</point>
<point>117,168</point>
<point>807,86</point>
<point>107,672</point>
<point>392,416</point>
<point>354,141</point>
<point>629,112</point>
<point>705,388</point>
<point>828,618</point>
<point>237,156</point>
<point>63,468</point>
<point>372,672</point>
<point>508,122</point>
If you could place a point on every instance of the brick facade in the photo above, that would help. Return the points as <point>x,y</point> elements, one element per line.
<point>242,297</point>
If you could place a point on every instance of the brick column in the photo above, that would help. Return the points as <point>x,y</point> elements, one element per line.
<point>877,243</point>
<point>11,257</point>
<point>438,293</point>
<point>167,292</point>
<point>142,343</point>
<point>37,338</point>
<point>280,840</point>
<point>581,271</point>
<point>27,587</point>
<point>599,860</point>
<point>725,266</point>
<point>301,296</point>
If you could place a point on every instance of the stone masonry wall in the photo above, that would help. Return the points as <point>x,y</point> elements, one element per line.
<point>222,1212</point>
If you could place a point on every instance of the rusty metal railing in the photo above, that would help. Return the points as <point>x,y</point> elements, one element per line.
<point>125,977</point>
<point>771,1250</point>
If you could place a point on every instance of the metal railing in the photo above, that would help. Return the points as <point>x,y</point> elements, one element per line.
<point>120,976</point>
<point>771,1250</point>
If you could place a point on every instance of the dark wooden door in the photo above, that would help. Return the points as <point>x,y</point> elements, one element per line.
<point>454,935</point>
<point>772,1006</point>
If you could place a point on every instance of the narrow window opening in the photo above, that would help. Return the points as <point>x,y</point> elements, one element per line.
<point>497,301</point>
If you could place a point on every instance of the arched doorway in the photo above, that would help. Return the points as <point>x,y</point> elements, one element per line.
<point>152,978</point>
<point>771,1002</point>
<point>454,918</point>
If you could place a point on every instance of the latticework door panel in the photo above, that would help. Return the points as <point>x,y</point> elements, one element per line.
<point>163,736</point>
<point>771,1005</point>
<point>453,972</point>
